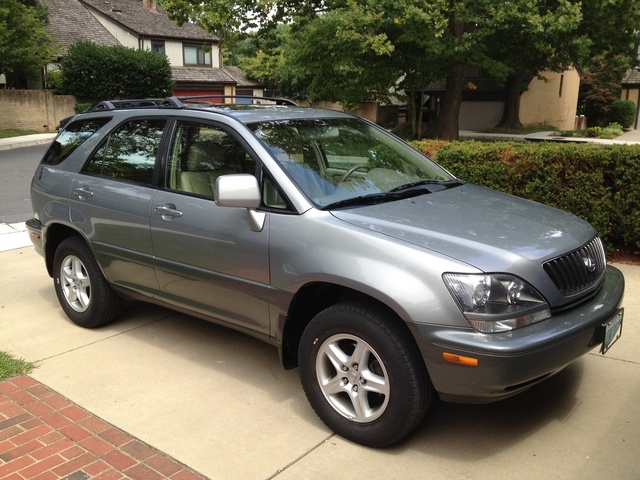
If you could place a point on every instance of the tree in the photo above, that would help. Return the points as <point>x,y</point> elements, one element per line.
<point>25,46</point>
<point>541,36</point>
<point>99,72</point>
<point>600,86</point>
<point>351,50</point>
<point>612,27</point>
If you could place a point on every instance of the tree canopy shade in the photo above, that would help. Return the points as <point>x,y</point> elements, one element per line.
<point>25,46</point>
<point>356,50</point>
<point>99,72</point>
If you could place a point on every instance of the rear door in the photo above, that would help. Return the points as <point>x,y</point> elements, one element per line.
<point>207,257</point>
<point>110,202</point>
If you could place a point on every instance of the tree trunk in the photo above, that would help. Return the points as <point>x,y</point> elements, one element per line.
<point>511,113</point>
<point>447,127</point>
<point>447,123</point>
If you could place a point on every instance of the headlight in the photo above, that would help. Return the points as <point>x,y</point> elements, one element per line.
<point>496,302</point>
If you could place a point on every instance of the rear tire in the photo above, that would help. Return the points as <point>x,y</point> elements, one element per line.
<point>363,374</point>
<point>83,292</point>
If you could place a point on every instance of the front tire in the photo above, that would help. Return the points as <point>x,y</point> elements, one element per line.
<point>83,292</point>
<point>363,374</point>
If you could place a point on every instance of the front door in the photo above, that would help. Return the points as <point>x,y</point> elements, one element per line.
<point>207,257</point>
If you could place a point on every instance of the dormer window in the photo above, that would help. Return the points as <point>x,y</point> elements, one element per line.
<point>197,54</point>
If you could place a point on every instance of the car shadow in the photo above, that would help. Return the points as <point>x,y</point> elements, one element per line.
<point>474,432</point>
<point>453,431</point>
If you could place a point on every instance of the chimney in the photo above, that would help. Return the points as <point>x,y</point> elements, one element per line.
<point>150,4</point>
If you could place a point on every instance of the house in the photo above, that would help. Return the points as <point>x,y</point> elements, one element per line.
<point>552,100</point>
<point>631,90</point>
<point>194,54</point>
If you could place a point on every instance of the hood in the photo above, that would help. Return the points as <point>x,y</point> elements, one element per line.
<point>491,231</point>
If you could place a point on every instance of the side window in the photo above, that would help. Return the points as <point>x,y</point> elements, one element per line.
<point>200,153</point>
<point>71,138</point>
<point>130,152</point>
<point>271,195</point>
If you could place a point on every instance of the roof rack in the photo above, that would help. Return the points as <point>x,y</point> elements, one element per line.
<point>182,101</point>
<point>127,103</point>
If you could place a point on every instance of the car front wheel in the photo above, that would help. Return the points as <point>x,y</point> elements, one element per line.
<point>363,374</point>
<point>82,290</point>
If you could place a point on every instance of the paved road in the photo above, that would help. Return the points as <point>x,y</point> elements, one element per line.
<point>16,169</point>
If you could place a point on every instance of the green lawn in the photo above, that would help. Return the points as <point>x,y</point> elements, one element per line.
<point>15,133</point>
<point>12,367</point>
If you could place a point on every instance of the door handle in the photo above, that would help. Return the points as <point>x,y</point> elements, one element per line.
<point>168,211</point>
<point>82,192</point>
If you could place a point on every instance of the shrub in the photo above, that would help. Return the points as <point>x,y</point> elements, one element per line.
<point>53,80</point>
<point>100,72</point>
<point>599,183</point>
<point>622,112</point>
<point>612,130</point>
<point>593,132</point>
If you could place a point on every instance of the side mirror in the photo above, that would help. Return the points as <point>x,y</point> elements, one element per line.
<point>240,191</point>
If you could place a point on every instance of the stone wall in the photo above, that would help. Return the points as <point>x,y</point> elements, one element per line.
<point>38,110</point>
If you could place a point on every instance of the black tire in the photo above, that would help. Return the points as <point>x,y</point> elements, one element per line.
<point>379,403</point>
<point>83,292</point>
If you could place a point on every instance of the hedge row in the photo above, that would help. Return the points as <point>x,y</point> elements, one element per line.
<point>599,183</point>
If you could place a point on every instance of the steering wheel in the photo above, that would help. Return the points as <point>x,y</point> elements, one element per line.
<point>353,169</point>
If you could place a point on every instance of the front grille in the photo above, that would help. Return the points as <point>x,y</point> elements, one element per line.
<point>578,270</point>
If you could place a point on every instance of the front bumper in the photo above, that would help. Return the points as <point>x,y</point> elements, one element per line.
<point>510,362</point>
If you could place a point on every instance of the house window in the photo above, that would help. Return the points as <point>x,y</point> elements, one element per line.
<point>157,46</point>
<point>561,85</point>
<point>197,54</point>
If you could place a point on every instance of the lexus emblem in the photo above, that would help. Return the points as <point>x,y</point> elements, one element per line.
<point>589,263</point>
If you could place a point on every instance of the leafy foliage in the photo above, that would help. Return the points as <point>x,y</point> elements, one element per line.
<point>600,86</point>
<point>100,72</point>
<point>25,46</point>
<point>599,183</point>
<point>352,51</point>
<point>622,112</point>
<point>612,27</point>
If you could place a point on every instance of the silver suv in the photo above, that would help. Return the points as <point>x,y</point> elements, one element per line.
<point>382,276</point>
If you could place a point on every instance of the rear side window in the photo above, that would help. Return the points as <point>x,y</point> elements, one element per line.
<point>71,138</point>
<point>130,152</point>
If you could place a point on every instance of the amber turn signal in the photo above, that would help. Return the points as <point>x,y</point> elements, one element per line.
<point>460,360</point>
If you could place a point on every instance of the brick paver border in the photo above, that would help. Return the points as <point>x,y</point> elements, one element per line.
<point>45,436</point>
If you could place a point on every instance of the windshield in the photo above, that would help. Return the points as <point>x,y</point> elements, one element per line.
<point>336,161</point>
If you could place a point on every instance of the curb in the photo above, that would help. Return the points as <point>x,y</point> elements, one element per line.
<point>26,141</point>
<point>13,236</point>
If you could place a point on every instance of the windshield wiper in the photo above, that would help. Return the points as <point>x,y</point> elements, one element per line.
<point>404,191</point>
<point>371,199</point>
<point>431,185</point>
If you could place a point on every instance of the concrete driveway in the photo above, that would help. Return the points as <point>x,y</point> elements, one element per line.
<point>219,401</point>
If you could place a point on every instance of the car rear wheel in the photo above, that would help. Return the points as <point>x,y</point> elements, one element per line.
<point>82,290</point>
<point>363,374</point>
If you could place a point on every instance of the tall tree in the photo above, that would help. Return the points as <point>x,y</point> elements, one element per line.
<point>351,50</point>
<point>539,36</point>
<point>25,46</point>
